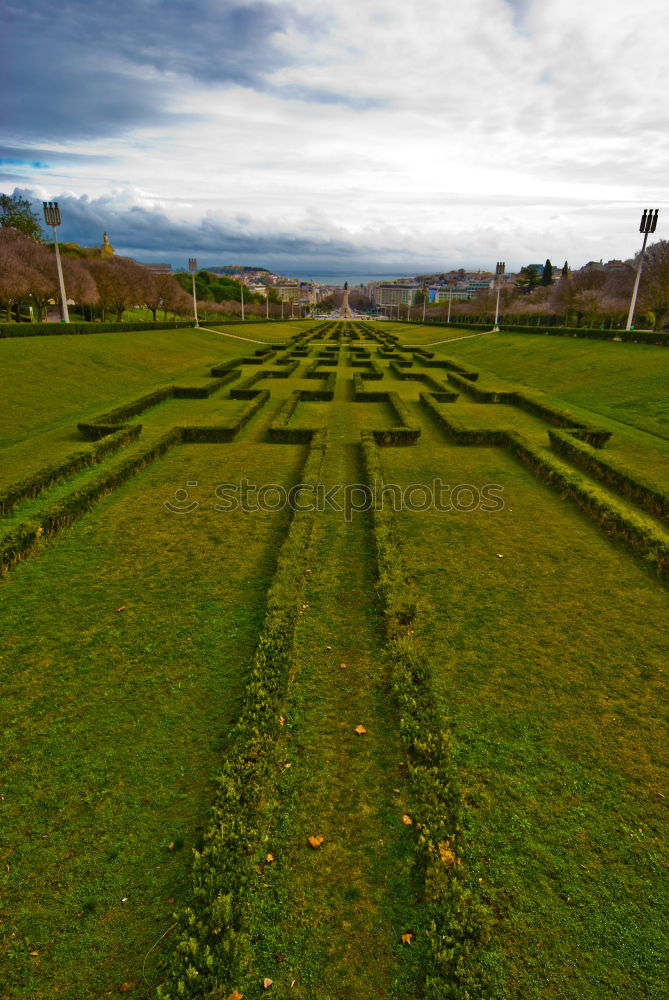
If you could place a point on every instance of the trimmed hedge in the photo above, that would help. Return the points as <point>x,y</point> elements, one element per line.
<point>457,431</point>
<point>70,329</point>
<point>25,538</point>
<point>648,542</point>
<point>587,333</point>
<point>32,486</point>
<point>228,431</point>
<point>643,492</point>
<point>211,952</point>
<point>533,403</point>
<point>107,423</point>
<point>406,433</point>
<point>456,922</point>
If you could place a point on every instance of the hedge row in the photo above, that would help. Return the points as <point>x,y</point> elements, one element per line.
<point>25,538</point>
<point>648,542</point>
<point>326,394</point>
<point>627,336</point>
<point>280,433</point>
<point>228,431</point>
<point>245,389</point>
<point>68,329</point>
<point>535,404</point>
<point>433,384</point>
<point>457,431</point>
<point>648,495</point>
<point>32,486</point>
<point>455,921</point>
<point>107,423</point>
<point>211,954</point>
<point>406,432</point>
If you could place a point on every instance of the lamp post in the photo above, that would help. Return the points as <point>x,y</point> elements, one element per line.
<point>647,225</point>
<point>52,218</point>
<point>499,271</point>
<point>424,300</point>
<point>448,318</point>
<point>242,288</point>
<point>266,302</point>
<point>192,267</point>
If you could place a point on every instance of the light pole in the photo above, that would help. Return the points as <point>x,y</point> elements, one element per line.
<point>52,218</point>
<point>192,267</point>
<point>448,318</point>
<point>267,302</point>
<point>424,300</point>
<point>648,225</point>
<point>499,271</point>
<point>242,288</point>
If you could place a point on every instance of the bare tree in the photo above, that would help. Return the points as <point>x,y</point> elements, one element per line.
<point>655,282</point>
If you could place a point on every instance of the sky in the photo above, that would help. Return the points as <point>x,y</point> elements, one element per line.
<point>355,135</point>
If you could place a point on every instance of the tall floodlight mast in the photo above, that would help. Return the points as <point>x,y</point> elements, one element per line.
<point>52,218</point>
<point>647,225</point>
<point>499,271</point>
<point>192,267</point>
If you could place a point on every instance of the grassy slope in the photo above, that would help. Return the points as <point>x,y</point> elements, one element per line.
<point>556,690</point>
<point>626,382</point>
<point>52,383</point>
<point>115,720</point>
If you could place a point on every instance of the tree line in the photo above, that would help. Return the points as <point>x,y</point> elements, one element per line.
<point>103,287</point>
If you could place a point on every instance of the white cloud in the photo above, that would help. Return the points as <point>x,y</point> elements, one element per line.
<point>525,130</point>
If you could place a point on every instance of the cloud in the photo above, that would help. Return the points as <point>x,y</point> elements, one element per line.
<point>91,68</point>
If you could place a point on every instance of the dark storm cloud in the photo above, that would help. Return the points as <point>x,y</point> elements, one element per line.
<point>84,69</point>
<point>138,231</point>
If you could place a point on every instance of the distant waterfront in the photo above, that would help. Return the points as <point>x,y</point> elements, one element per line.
<point>339,278</point>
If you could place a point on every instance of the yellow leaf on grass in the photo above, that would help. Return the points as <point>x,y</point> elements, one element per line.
<point>236,996</point>
<point>447,854</point>
<point>315,842</point>
<point>266,983</point>
<point>407,820</point>
<point>270,858</point>
<point>408,937</point>
<point>360,730</point>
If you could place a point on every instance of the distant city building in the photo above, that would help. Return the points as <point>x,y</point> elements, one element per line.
<point>156,268</point>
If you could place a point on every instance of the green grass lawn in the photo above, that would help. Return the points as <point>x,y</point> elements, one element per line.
<point>114,721</point>
<point>550,652</point>
<point>626,382</point>
<point>548,646</point>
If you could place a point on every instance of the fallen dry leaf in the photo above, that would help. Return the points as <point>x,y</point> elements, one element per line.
<point>34,954</point>
<point>236,996</point>
<point>408,937</point>
<point>281,720</point>
<point>500,555</point>
<point>170,846</point>
<point>315,842</point>
<point>407,820</point>
<point>125,987</point>
<point>122,608</point>
<point>328,647</point>
<point>266,983</point>
<point>360,730</point>
<point>270,858</point>
<point>342,666</point>
<point>447,854</point>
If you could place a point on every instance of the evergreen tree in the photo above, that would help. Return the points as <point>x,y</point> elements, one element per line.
<point>528,279</point>
<point>547,276</point>
<point>565,270</point>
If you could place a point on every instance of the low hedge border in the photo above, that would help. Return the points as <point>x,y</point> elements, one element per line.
<point>457,431</point>
<point>279,431</point>
<point>26,537</point>
<point>648,495</point>
<point>32,486</point>
<point>456,922</point>
<point>626,336</point>
<point>212,952</point>
<point>527,400</point>
<point>107,423</point>
<point>228,431</point>
<point>406,432</point>
<point>649,543</point>
<point>433,384</point>
<point>76,329</point>
<point>245,389</point>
